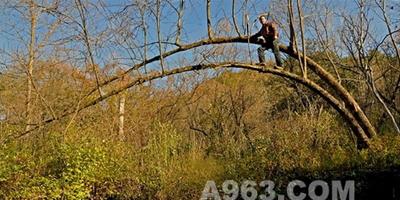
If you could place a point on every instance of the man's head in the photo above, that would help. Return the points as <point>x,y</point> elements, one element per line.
<point>263,19</point>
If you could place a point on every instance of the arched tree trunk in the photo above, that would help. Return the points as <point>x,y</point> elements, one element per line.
<point>363,140</point>
<point>348,99</point>
<point>345,95</point>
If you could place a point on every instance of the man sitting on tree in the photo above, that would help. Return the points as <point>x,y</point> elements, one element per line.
<point>268,36</point>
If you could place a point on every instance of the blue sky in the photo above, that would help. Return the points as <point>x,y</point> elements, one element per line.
<point>194,21</point>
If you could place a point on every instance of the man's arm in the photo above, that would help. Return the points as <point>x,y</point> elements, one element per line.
<point>274,30</point>
<point>254,37</point>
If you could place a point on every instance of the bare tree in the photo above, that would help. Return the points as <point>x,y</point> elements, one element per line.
<point>321,26</point>
<point>293,44</point>
<point>87,41</point>
<point>31,11</point>
<point>32,45</point>
<point>355,39</point>
<point>160,47</point>
<point>391,33</point>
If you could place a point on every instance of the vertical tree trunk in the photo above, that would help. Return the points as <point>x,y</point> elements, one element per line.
<point>158,19</point>
<point>33,20</point>
<point>303,41</point>
<point>292,37</point>
<point>121,116</point>
<point>293,40</point>
<point>179,23</point>
<point>209,27</point>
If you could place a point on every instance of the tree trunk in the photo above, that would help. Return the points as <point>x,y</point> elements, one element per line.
<point>348,99</point>
<point>121,113</point>
<point>31,60</point>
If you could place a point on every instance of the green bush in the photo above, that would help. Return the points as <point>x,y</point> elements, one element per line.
<point>69,172</point>
<point>171,165</point>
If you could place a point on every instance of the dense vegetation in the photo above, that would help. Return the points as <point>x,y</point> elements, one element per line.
<point>237,125</point>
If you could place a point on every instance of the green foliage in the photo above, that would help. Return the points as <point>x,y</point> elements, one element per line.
<point>68,172</point>
<point>247,127</point>
<point>173,166</point>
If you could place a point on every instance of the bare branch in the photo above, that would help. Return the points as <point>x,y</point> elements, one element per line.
<point>81,8</point>
<point>234,18</point>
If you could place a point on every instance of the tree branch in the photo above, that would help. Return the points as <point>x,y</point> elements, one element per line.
<point>234,18</point>
<point>363,139</point>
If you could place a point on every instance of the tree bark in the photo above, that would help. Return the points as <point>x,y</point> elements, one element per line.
<point>33,21</point>
<point>121,115</point>
<point>209,27</point>
<point>303,41</point>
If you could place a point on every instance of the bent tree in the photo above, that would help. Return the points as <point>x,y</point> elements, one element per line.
<point>319,79</point>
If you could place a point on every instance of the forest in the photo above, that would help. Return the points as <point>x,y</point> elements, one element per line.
<point>151,99</point>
